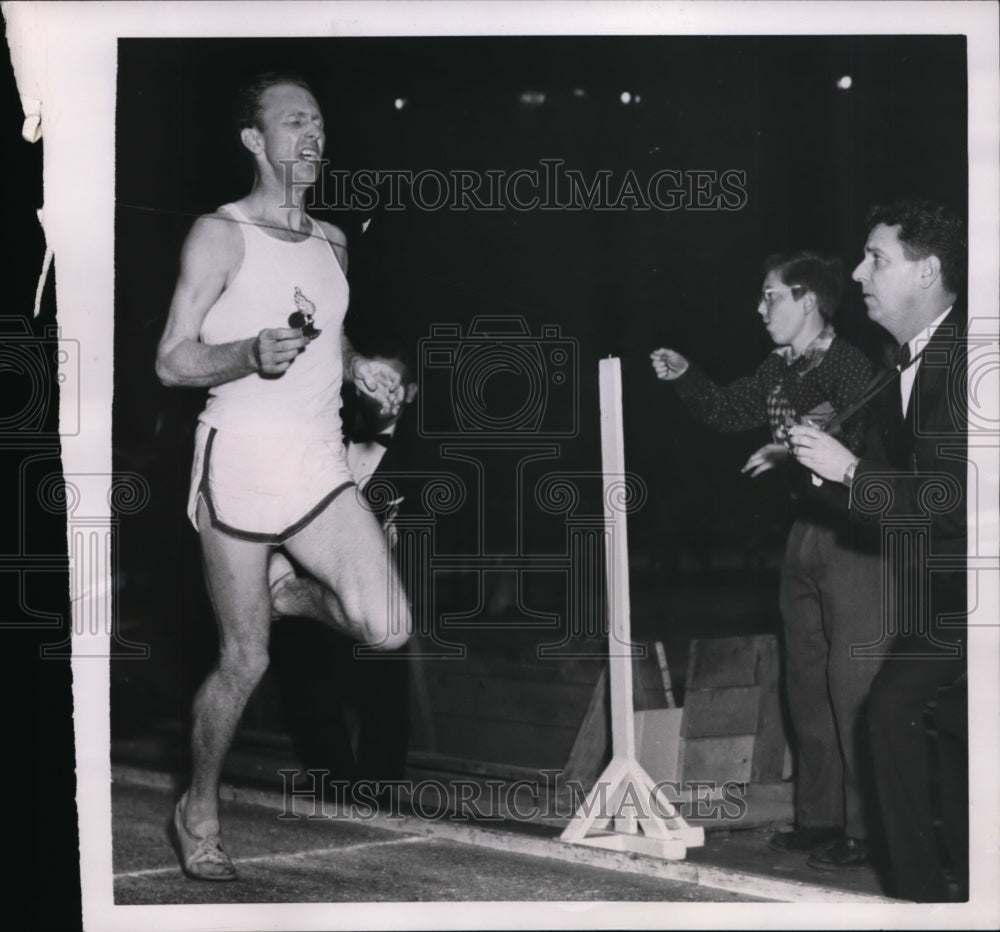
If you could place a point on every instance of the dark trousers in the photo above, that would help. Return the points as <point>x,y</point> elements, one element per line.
<point>319,674</point>
<point>919,734</point>
<point>831,608</point>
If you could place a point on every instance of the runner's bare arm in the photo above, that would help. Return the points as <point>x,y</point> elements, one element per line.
<point>370,377</point>
<point>211,256</point>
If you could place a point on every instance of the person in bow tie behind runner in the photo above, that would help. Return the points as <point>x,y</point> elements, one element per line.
<point>830,575</point>
<point>346,710</point>
<point>913,276</point>
<point>257,319</point>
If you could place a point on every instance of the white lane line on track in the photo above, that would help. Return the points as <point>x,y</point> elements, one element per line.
<point>287,856</point>
<point>720,878</point>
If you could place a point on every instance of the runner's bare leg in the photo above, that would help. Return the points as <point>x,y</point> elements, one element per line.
<point>236,575</point>
<point>344,550</point>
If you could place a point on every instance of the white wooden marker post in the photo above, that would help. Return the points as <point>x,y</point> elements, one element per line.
<point>645,821</point>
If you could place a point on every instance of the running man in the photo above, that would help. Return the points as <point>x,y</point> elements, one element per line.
<point>257,318</point>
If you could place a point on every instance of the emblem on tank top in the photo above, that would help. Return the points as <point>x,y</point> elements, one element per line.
<point>302,317</point>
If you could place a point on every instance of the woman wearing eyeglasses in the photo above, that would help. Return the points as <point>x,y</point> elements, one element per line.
<point>831,575</point>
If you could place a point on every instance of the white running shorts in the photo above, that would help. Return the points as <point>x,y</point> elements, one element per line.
<point>264,489</point>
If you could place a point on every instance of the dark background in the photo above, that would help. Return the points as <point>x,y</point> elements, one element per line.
<point>621,283</point>
<point>617,283</point>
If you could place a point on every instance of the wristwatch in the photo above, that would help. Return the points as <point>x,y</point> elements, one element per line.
<point>849,472</point>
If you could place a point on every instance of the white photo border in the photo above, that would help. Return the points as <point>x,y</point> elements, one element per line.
<point>65,57</point>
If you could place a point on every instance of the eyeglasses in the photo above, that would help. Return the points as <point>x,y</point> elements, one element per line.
<point>770,297</point>
<point>300,321</point>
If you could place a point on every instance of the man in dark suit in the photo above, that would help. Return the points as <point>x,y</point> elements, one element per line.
<point>912,275</point>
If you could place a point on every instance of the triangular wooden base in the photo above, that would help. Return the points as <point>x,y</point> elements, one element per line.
<point>645,821</point>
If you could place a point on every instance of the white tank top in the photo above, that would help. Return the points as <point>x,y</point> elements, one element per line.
<point>305,400</point>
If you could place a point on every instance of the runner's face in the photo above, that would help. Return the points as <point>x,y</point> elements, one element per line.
<point>291,128</point>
